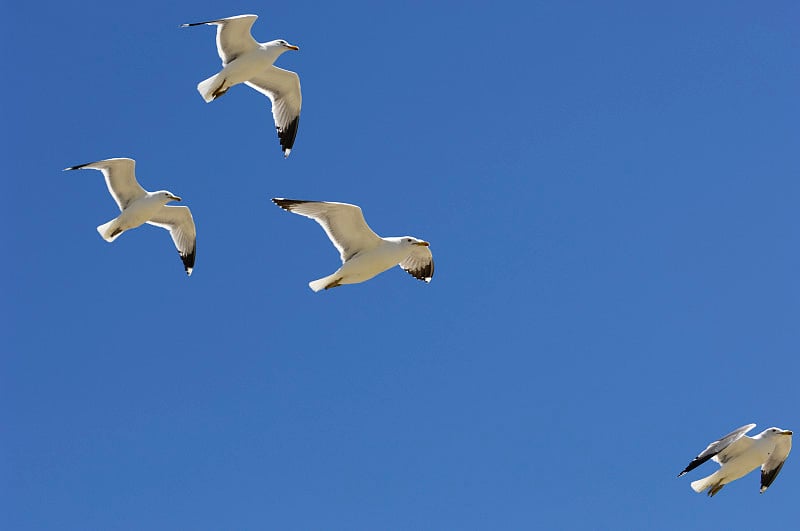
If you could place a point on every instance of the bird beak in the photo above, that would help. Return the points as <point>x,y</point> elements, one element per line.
<point>422,244</point>
<point>785,432</point>
<point>292,47</point>
<point>175,197</point>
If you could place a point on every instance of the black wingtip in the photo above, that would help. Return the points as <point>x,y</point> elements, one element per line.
<point>287,204</point>
<point>287,135</point>
<point>188,260</point>
<point>79,166</point>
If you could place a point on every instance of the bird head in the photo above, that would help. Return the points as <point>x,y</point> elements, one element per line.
<point>282,45</point>
<point>776,432</point>
<point>166,196</point>
<point>411,241</point>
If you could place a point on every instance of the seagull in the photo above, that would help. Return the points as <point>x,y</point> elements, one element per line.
<point>364,254</point>
<point>738,455</point>
<point>139,206</point>
<point>246,61</point>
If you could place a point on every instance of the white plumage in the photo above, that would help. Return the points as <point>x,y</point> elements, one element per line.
<point>738,455</point>
<point>246,61</point>
<point>364,254</point>
<point>138,206</point>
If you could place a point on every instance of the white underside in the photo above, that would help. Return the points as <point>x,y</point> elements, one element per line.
<point>364,266</point>
<point>136,214</point>
<point>243,68</point>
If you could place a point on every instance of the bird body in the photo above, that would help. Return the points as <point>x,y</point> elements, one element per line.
<point>136,214</point>
<point>364,254</point>
<point>738,455</point>
<point>367,264</point>
<point>138,206</point>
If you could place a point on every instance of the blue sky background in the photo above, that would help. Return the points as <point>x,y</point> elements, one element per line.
<point>611,193</point>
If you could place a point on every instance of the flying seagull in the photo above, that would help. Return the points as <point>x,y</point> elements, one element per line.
<point>139,206</point>
<point>246,61</point>
<point>364,254</point>
<point>738,455</point>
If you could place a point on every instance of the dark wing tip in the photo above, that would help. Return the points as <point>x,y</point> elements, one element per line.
<point>287,204</point>
<point>424,273</point>
<point>192,24</point>
<point>768,476</point>
<point>696,462</point>
<point>79,166</point>
<point>188,260</point>
<point>286,135</point>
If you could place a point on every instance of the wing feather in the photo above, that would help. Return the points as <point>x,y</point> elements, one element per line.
<point>180,224</point>
<point>233,36</point>
<point>120,179</point>
<point>282,87</point>
<point>343,223</point>
<point>419,263</point>
<point>716,447</point>
<point>773,465</point>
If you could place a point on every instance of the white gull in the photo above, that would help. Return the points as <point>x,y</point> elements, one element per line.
<point>364,254</point>
<point>246,61</point>
<point>138,206</point>
<point>738,455</point>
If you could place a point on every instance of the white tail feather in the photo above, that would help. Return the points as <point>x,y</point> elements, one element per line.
<point>702,484</point>
<point>209,86</point>
<point>106,229</point>
<point>320,284</point>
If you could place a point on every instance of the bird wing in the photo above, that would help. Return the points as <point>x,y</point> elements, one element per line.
<point>343,223</point>
<point>282,87</point>
<point>180,224</point>
<point>772,466</point>
<point>233,36</point>
<point>120,179</point>
<point>717,447</point>
<point>419,264</point>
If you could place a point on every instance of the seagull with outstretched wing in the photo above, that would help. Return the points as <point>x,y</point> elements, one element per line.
<point>244,60</point>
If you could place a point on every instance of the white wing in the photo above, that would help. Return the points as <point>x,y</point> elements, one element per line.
<point>343,223</point>
<point>233,36</point>
<point>419,263</point>
<point>282,87</point>
<point>180,224</point>
<point>120,179</point>
<point>773,465</point>
<point>718,446</point>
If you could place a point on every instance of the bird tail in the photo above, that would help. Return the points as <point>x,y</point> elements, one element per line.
<point>212,88</point>
<point>709,482</point>
<point>331,281</point>
<point>109,231</point>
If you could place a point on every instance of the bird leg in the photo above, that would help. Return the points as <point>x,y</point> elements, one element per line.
<point>220,91</point>
<point>334,284</point>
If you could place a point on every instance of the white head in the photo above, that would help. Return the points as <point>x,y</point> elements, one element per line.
<point>408,241</point>
<point>281,45</point>
<point>769,433</point>
<point>166,196</point>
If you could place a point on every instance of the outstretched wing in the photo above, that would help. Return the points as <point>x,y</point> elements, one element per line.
<point>282,87</point>
<point>419,264</point>
<point>773,465</point>
<point>120,179</point>
<point>180,224</point>
<point>343,223</point>
<point>233,36</point>
<point>716,447</point>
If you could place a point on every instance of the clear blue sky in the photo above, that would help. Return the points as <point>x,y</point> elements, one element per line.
<point>611,193</point>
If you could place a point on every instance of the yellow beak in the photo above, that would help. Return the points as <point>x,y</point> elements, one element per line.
<point>422,244</point>
<point>292,47</point>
